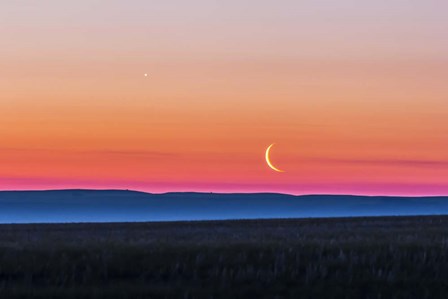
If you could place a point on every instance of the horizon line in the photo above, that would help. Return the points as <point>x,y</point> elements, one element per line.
<point>221,193</point>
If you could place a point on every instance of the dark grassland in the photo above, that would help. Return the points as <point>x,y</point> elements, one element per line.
<point>381,257</point>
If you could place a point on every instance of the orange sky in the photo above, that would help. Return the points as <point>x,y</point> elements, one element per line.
<point>353,93</point>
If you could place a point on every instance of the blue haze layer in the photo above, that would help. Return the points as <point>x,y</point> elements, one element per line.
<point>131,206</point>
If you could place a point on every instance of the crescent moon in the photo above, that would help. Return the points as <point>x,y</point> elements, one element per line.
<point>268,160</point>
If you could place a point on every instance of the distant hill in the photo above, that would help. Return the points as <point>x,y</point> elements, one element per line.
<point>130,206</point>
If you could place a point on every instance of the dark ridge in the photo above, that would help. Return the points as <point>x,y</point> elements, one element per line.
<point>80,205</point>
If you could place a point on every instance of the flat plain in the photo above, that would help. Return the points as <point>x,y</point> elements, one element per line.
<point>371,257</point>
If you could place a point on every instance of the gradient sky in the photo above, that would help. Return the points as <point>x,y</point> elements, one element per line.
<point>354,94</point>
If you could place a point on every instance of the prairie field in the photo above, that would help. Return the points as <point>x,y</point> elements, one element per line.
<point>373,257</point>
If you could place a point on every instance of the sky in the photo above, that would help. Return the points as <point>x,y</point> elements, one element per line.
<point>353,93</point>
